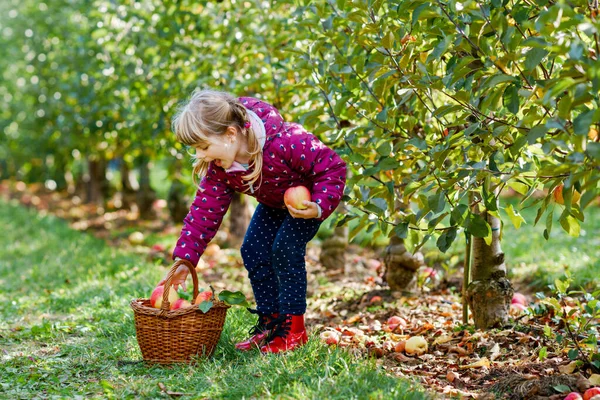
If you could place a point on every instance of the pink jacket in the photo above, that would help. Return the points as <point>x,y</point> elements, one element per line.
<point>291,157</point>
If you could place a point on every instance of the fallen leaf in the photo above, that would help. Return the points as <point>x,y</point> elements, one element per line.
<point>484,362</point>
<point>569,368</point>
<point>595,379</point>
<point>495,352</point>
<point>442,339</point>
<point>451,376</point>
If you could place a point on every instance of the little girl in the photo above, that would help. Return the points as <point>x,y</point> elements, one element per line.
<point>244,145</point>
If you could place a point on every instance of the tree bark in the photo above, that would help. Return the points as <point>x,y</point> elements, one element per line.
<point>489,294</point>
<point>96,184</point>
<point>239,219</point>
<point>178,201</point>
<point>400,264</point>
<point>333,249</point>
<point>145,195</point>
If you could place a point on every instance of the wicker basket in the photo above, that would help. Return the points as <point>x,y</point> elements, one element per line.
<point>167,337</point>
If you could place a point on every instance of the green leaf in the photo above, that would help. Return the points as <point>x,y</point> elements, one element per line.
<point>561,388</point>
<point>477,226</point>
<point>388,40</point>
<point>570,224</point>
<point>543,353</point>
<point>205,306</point>
<point>437,202</point>
<point>514,216</point>
<point>233,298</point>
<point>510,99</point>
<point>581,124</point>
<point>534,57</point>
<point>401,230</point>
<point>535,133</point>
<point>519,187</point>
<point>445,240</point>
<point>573,354</point>
<point>458,215</point>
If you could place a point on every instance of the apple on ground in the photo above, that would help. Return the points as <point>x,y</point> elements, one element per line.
<point>180,303</point>
<point>400,346</point>
<point>591,393</point>
<point>376,299</point>
<point>156,298</point>
<point>519,298</point>
<point>573,396</point>
<point>158,247</point>
<point>330,337</point>
<point>395,321</point>
<point>416,345</point>
<point>295,196</point>
<point>203,296</point>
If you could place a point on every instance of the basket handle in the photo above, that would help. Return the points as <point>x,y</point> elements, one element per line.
<point>165,304</point>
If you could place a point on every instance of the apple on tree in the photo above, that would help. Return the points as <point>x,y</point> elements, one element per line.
<point>295,196</point>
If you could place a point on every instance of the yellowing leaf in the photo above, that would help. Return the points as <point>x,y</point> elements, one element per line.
<point>484,362</point>
<point>595,379</point>
<point>442,339</point>
<point>514,216</point>
<point>569,368</point>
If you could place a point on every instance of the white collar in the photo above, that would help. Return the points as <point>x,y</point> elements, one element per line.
<point>258,127</point>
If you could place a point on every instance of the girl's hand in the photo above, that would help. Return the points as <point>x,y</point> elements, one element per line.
<point>311,212</point>
<point>179,277</point>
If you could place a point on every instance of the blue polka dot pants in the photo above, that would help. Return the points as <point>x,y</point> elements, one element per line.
<point>273,252</point>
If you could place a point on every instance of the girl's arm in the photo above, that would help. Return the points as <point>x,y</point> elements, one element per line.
<point>202,222</point>
<point>309,156</point>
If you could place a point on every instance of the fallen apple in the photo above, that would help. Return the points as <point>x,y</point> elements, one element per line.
<point>400,346</point>
<point>416,345</point>
<point>158,247</point>
<point>294,196</point>
<point>395,321</point>
<point>591,393</point>
<point>212,250</point>
<point>330,337</point>
<point>376,299</point>
<point>180,303</point>
<point>203,296</point>
<point>519,298</point>
<point>156,298</point>
<point>136,238</point>
<point>573,396</point>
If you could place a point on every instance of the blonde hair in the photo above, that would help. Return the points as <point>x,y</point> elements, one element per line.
<point>210,113</point>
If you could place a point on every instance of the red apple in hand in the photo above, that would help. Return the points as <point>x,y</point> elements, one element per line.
<point>294,197</point>
<point>156,298</point>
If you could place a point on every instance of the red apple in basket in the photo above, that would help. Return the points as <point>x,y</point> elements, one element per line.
<point>294,197</point>
<point>180,303</point>
<point>203,296</point>
<point>156,298</point>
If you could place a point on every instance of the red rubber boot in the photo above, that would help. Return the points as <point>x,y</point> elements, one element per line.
<point>288,334</point>
<point>258,332</point>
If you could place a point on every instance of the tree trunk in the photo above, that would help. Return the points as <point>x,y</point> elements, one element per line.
<point>400,264</point>
<point>128,186</point>
<point>239,219</point>
<point>178,201</point>
<point>96,184</point>
<point>333,249</point>
<point>489,294</point>
<point>145,195</point>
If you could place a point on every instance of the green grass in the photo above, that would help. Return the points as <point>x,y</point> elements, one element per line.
<point>65,325</point>
<point>539,262</point>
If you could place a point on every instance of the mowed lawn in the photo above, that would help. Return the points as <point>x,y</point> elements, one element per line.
<point>67,331</point>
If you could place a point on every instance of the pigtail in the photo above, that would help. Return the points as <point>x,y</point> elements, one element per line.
<point>241,117</point>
